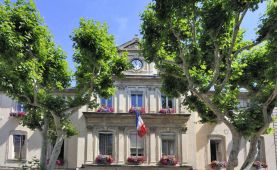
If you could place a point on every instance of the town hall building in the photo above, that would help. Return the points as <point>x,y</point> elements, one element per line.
<point>107,137</point>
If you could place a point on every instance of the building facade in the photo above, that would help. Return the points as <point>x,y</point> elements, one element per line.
<point>107,136</point>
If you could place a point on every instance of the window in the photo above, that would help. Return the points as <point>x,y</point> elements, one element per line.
<point>20,107</point>
<point>168,144</point>
<point>243,103</point>
<point>216,150</point>
<point>107,102</point>
<point>133,150</point>
<point>19,146</point>
<point>167,102</point>
<point>61,155</point>
<point>136,99</point>
<point>106,143</point>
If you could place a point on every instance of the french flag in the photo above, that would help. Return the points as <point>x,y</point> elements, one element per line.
<point>141,128</point>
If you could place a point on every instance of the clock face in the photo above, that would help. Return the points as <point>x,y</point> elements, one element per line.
<point>137,64</point>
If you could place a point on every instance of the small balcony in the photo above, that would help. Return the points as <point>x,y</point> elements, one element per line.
<point>167,111</point>
<point>105,109</point>
<point>139,109</point>
<point>17,114</point>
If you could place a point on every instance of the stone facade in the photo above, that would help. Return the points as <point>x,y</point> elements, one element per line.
<point>177,133</point>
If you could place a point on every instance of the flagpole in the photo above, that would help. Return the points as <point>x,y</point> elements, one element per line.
<point>136,134</point>
<point>137,144</point>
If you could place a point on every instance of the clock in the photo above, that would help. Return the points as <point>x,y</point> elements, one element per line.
<point>137,64</point>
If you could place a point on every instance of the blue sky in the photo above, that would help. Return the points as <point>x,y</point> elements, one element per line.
<point>122,17</point>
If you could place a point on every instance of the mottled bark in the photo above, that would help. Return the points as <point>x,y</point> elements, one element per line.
<point>59,141</point>
<point>233,156</point>
<point>252,154</point>
<point>44,143</point>
<point>55,152</point>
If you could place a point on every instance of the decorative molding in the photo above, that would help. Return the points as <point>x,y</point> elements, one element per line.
<point>121,87</point>
<point>122,128</point>
<point>152,129</point>
<point>151,88</point>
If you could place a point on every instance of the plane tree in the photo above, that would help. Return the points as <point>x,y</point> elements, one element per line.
<point>199,50</point>
<point>34,71</point>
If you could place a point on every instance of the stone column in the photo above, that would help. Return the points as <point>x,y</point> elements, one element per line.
<point>89,146</point>
<point>121,144</point>
<point>184,147</point>
<point>152,146</point>
<point>95,144</point>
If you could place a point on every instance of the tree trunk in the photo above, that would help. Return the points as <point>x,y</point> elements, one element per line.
<point>43,152</point>
<point>55,152</point>
<point>233,156</point>
<point>59,142</point>
<point>252,154</point>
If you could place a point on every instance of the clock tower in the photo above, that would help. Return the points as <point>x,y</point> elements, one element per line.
<point>139,65</point>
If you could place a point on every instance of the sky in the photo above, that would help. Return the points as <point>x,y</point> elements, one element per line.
<point>121,16</point>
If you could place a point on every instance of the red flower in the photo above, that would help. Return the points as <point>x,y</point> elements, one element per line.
<point>104,159</point>
<point>167,110</point>
<point>168,160</point>
<point>135,160</point>
<point>139,109</point>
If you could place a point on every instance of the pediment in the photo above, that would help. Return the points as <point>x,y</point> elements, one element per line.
<point>130,45</point>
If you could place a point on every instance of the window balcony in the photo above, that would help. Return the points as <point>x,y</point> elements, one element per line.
<point>135,160</point>
<point>105,109</point>
<point>167,111</point>
<point>104,159</point>
<point>168,160</point>
<point>17,114</point>
<point>139,109</point>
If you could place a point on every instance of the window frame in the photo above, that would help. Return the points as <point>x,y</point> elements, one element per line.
<point>112,144</point>
<point>106,101</point>
<point>166,102</point>
<point>220,150</point>
<point>137,94</point>
<point>173,137</point>
<point>130,145</point>
<point>11,153</point>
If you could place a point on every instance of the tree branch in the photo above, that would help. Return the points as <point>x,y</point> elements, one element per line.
<point>184,62</point>
<point>248,47</point>
<point>236,27</point>
<point>217,60</point>
<point>272,97</point>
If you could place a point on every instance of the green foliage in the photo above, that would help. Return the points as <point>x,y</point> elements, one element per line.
<point>197,36</point>
<point>96,58</point>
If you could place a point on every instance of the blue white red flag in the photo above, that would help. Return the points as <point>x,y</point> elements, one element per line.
<point>141,128</point>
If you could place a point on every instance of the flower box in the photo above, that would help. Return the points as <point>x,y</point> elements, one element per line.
<point>259,165</point>
<point>139,109</point>
<point>104,159</point>
<point>17,114</point>
<point>105,109</point>
<point>59,162</point>
<point>167,110</point>
<point>135,160</point>
<point>215,165</point>
<point>168,160</point>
